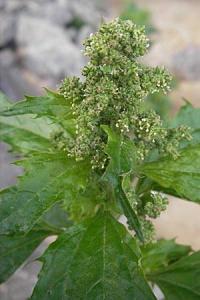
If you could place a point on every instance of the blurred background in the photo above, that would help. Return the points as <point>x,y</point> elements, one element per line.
<point>40,43</point>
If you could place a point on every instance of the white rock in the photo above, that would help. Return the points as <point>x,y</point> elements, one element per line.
<point>58,11</point>
<point>46,49</point>
<point>14,5</point>
<point>2,4</point>
<point>88,11</point>
<point>7,28</point>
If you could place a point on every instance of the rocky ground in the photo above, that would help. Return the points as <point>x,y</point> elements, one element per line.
<point>40,41</point>
<point>39,45</point>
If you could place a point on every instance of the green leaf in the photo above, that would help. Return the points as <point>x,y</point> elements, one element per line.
<point>86,203</point>
<point>179,275</point>
<point>160,254</point>
<point>49,178</point>
<point>160,103</point>
<point>189,116</point>
<point>55,220</point>
<point>139,16</point>
<point>180,176</point>
<point>132,217</point>
<point>92,261</point>
<point>22,140</point>
<point>51,105</point>
<point>4,101</point>
<point>25,133</point>
<point>15,249</point>
<point>42,126</point>
<point>122,155</point>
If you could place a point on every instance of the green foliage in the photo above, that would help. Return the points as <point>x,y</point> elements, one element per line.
<point>50,105</point>
<point>91,152</point>
<point>14,250</point>
<point>49,178</point>
<point>99,264</point>
<point>161,103</point>
<point>132,12</point>
<point>156,256</point>
<point>181,177</point>
<point>176,271</point>
<point>189,116</point>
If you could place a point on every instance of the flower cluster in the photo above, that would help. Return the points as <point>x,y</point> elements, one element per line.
<point>152,208</point>
<point>157,204</point>
<point>113,93</point>
<point>147,229</point>
<point>114,89</point>
<point>147,206</point>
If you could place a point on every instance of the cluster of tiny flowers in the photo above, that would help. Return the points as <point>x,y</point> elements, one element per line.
<point>130,194</point>
<point>173,139</point>
<point>146,207</point>
<point>72,90</point>
<point>147,229</point>
<point>152,209</point>
<point>114,88</point>
<point>149,132</point>
<point>149,207</point>
<point>59,140</point>
<point>113,93</point>
<point>157,204</point>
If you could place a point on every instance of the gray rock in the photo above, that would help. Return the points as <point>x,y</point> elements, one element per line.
<point>7,28</point>
<point>15,81</point>
<point>72,34</point>
<point>7,62</point>
<point>62,12</point>
<point>88,11</point>
<point>186,63</point>
<point>14,5</point>
<point>7,58</point>
<point>45,48</point>
<point>58,11</point>
<point>2,4</point>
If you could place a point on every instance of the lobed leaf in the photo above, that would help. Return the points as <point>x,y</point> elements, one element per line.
<point>160,254</point>
<point>179,275</point>
<point>49,178</point>
<point>25,133</point>
<point>92,261</point>
<point>23,141</point>
<point>15,249</point>
<point>51,104</point>
<point>181,176</point>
